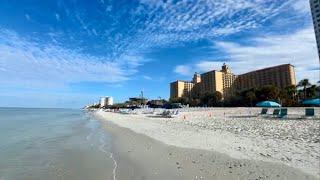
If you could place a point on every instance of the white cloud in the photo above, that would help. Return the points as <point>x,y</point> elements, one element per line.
<point>173,22</point>
<point>29,63</point>
<point>183,70</point>
<point>302,6</point>
<point>298,48</point>
<point>188,70</point>
<point>27,16</point>
<point>146,77</point>
<point>57,17</point>
<point>204,66</point>
<point>94,32</point>
<point>154,23</point>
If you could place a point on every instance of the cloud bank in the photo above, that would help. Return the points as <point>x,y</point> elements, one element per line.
<point>298,49</point>
<point>32,64</point>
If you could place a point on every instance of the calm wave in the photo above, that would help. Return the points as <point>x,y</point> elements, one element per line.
<point>53,144</point>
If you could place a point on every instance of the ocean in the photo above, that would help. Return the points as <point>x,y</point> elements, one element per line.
<point>53,144</point>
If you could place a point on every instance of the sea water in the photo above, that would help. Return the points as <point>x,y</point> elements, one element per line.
<point>53,144</point>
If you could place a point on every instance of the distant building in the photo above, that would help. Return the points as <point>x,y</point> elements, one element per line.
<point>315,10</point>
<point>137,101</point>
<point>196,78</point>
<point>106,101</point>
<point>156,103</point>
<point>180,89</point>
<point>228,79</point>
<point>227,83</point>
<point>280,76</point>
<point>211,81</point>
<point>221,81</point>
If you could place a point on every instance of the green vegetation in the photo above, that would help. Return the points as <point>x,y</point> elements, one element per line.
<point>289,96</point>
<point>207,99</point>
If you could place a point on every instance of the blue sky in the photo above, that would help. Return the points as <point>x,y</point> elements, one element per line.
<point>58,53</point>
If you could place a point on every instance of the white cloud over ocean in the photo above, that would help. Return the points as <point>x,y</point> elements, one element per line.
<point>33,64</point>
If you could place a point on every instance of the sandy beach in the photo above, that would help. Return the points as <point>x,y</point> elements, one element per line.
<point>238,134</point>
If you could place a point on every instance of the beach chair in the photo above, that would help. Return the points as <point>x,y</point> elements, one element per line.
<point>264,111</point>
<point>148,112</point>
<point>162,113</point>
<point>133,112</point>
<point>309,112</point>
<point>173,114</point>
<point>126,111</point>
<point>283,113</point>
<point>166,114</point>
<point>276,112</point>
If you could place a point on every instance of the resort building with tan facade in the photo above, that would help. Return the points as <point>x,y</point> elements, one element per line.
<point>227,83</point>
<point>180,89</point>
<point>280,76</point>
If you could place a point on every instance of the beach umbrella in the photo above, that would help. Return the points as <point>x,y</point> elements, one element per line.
<point>315,102</point>
<point>268,104</point>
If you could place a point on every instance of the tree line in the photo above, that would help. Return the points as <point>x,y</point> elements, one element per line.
<point>288,96</point>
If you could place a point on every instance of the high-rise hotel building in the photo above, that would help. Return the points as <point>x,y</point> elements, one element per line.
<point>211,81</point>
<point>181,89</point>
<point>315,11</point>
<point>228,84</point>
<point>280,76</point>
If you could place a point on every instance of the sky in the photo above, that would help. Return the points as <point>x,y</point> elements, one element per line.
<point>69,53</point>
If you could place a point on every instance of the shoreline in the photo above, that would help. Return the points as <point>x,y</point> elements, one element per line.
<point>141,157</point>
<point>196,132</point>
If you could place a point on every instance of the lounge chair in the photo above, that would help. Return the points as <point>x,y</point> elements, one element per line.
<point>166,113</point>
<point>309,112</point>
<point>283,113</point>
<point>124,111</point>
<point>173,114</point>
<point>162,113</point>
<point>264,111</point>
<point>148,112</point>
<point>276,112</point>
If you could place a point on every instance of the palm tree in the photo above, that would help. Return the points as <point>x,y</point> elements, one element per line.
<point>291,91</point>
<point>250,96</point>
<point>304,83</point>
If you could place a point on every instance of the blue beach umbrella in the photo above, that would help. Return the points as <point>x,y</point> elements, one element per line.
<point>268,104</point>
<point>315,102</point>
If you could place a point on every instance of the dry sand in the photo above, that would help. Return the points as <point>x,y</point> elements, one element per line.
<point>237,136</point>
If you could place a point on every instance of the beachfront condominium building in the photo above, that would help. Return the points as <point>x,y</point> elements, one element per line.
<point>280,76</point>
<point>228,79</point>
<point>211,81</point>
<point>315,10</point>
<point>220,81</point>
<point>106,101</point>
<point>204,83</point>
<point>227,83</point>
<point>180,89</point>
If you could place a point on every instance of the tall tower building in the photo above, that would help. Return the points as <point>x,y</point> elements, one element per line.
<point>315,10</point>
<point>196,78</point>
<point>180,89</point>
<point>225,68</point>
<point>228,79</point>
<point>280,76</point>
<point>211,81</point>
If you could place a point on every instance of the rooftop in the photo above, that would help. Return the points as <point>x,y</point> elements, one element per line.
<point>267,68</point>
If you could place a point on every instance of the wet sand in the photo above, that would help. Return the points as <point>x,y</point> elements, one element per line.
<point>141,157</point>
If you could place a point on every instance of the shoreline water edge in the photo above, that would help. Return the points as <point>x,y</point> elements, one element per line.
<point>270,148</point>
